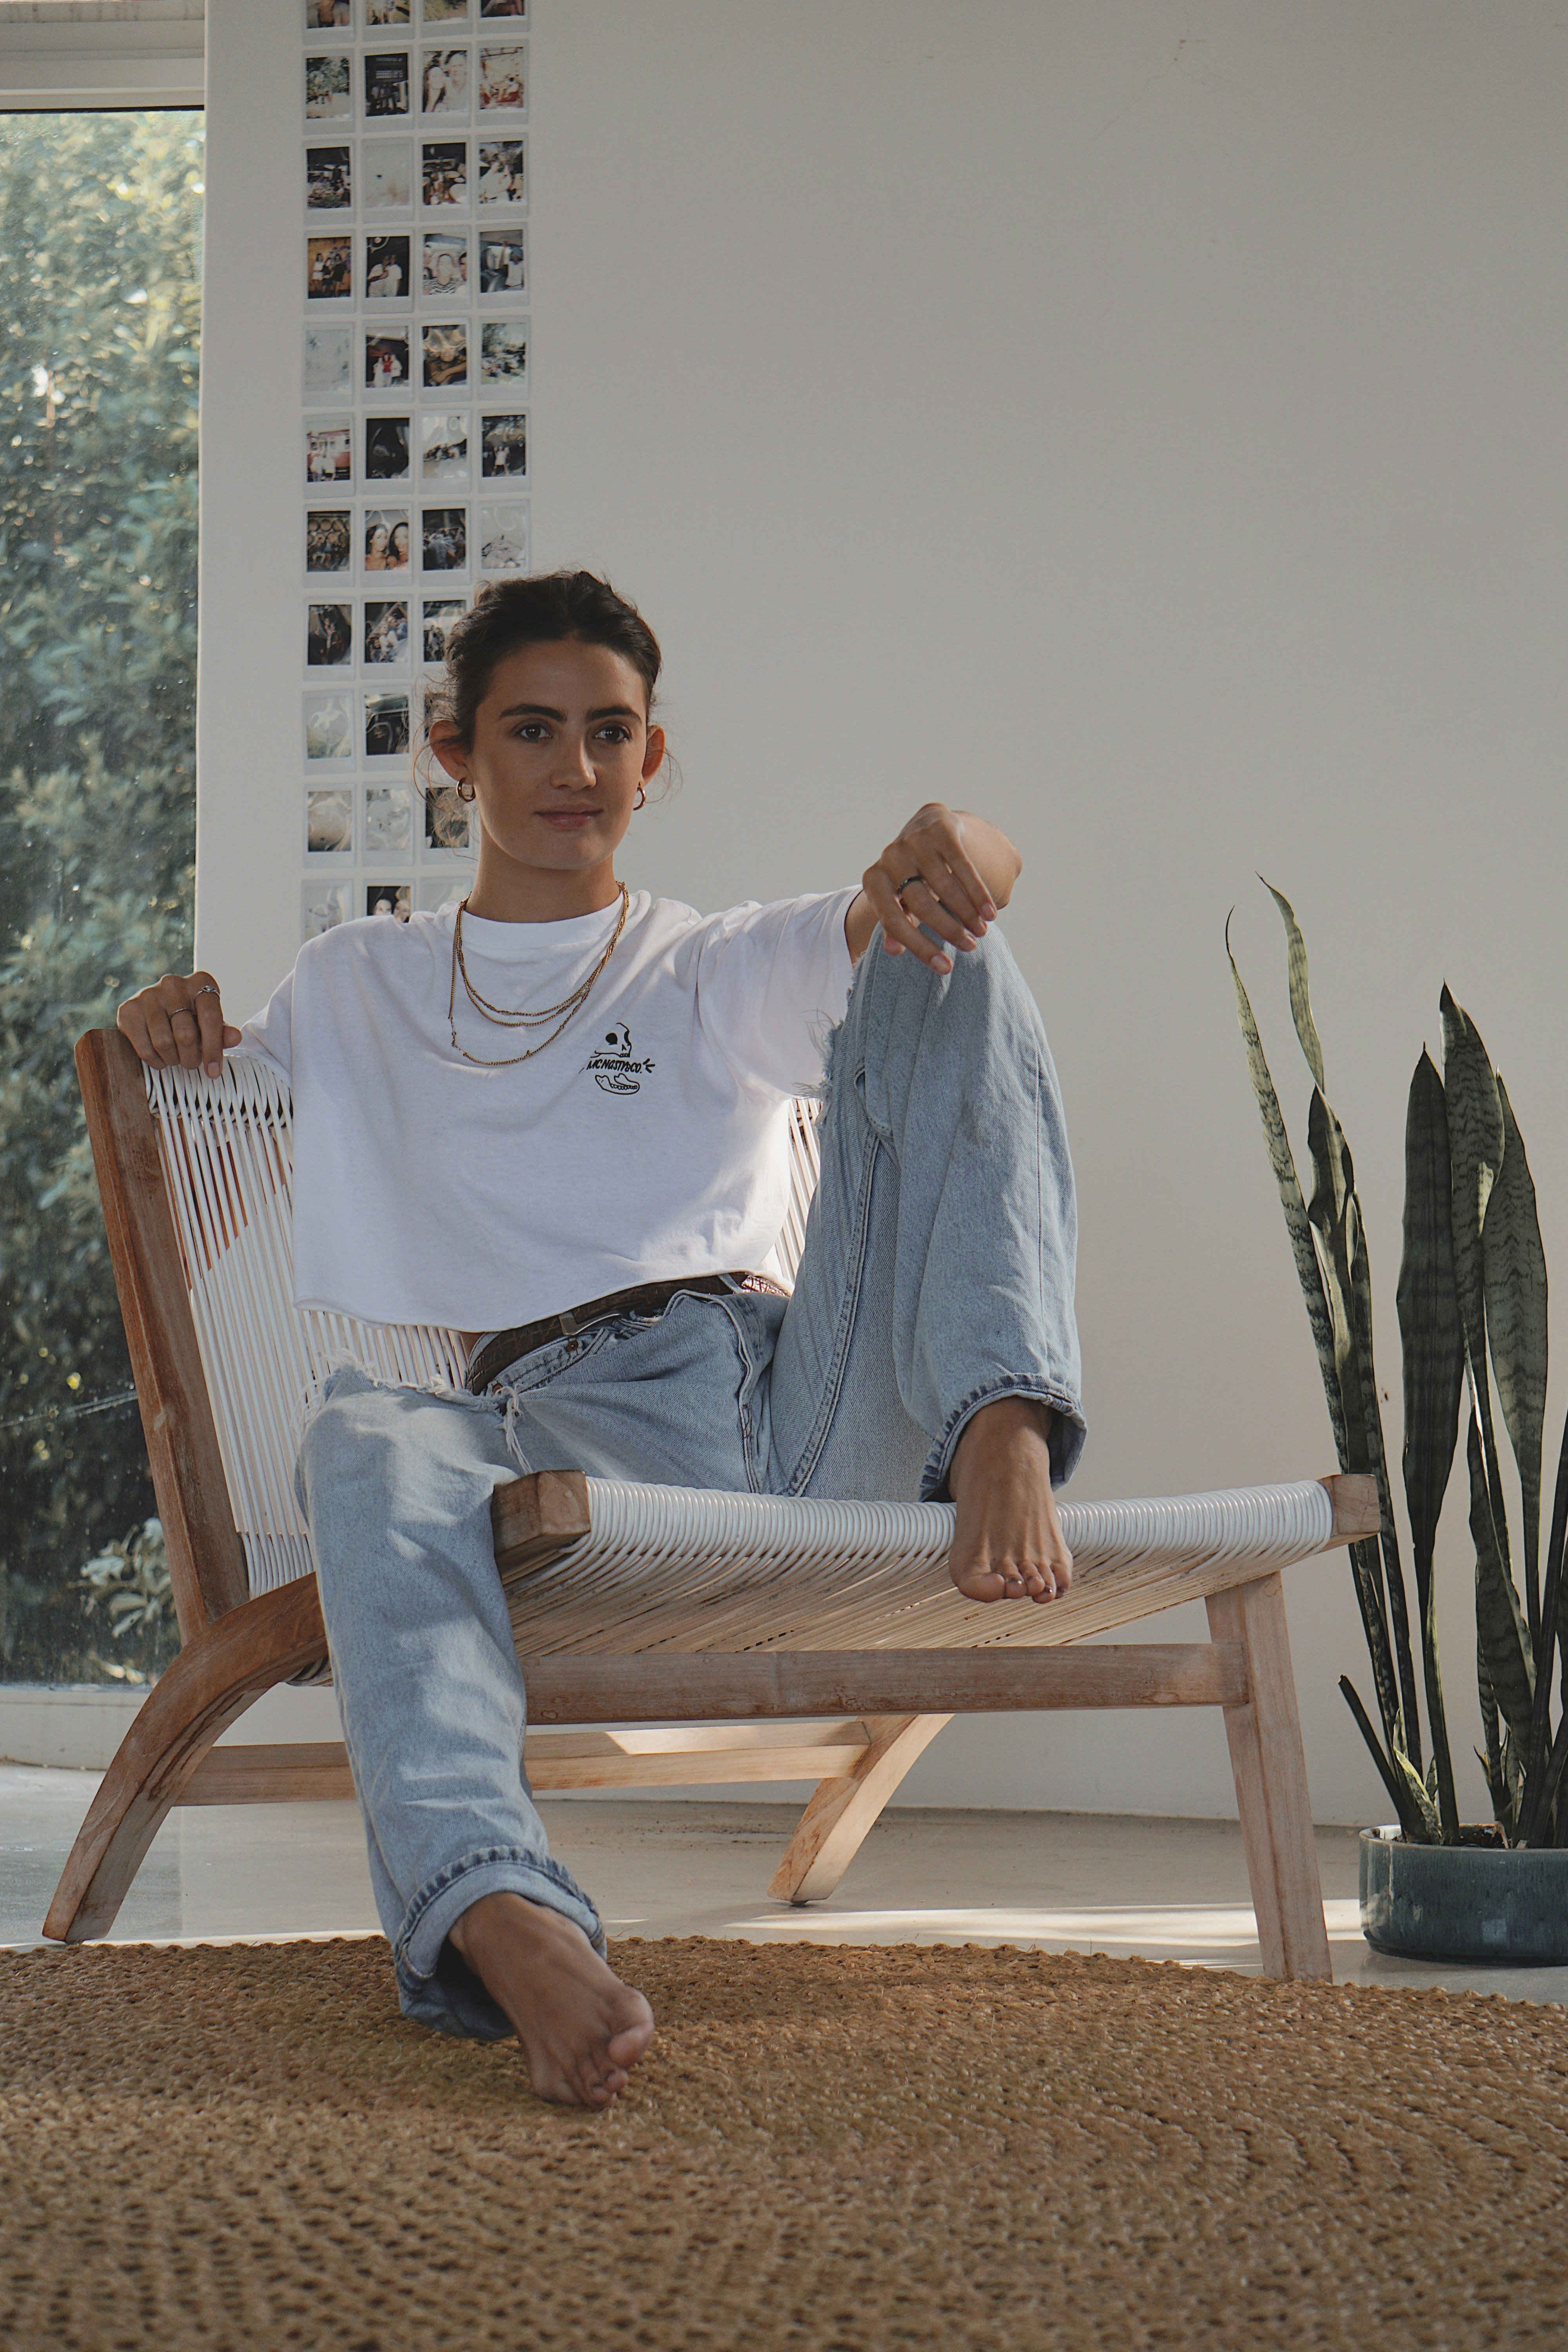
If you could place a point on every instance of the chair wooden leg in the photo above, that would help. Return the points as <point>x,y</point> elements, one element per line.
<point>213,1679</point>
<point>1270,1768</point>
<point>840,1812</point>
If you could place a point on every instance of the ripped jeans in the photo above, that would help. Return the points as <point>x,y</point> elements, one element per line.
<point>937,1275</point>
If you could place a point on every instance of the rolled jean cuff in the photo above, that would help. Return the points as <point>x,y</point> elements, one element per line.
<point>1068,1430</point>
<point>434,1986</point>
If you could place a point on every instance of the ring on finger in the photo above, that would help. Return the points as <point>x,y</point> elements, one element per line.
<point>906,883</point>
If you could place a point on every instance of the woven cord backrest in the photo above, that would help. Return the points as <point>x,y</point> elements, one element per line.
<point>226,1151</point>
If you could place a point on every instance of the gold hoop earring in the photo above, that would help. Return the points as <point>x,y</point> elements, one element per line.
<point>642,796</point>
<point>465,790</point>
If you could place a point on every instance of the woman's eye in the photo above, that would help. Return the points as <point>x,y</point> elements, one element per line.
<point>531,731</point>
<point>615,734</point>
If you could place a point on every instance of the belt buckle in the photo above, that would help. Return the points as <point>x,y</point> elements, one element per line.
<point>570,1326</point>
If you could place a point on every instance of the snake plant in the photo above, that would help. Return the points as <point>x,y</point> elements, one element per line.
<point>1472,1320</point>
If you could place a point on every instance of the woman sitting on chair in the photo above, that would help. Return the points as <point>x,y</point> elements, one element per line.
<point>556,1118</point>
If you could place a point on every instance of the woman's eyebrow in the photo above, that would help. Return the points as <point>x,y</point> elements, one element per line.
<point>547,710</point>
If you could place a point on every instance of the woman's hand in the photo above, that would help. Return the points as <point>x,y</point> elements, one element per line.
<point>946,870</point>
<point>178,1022</point>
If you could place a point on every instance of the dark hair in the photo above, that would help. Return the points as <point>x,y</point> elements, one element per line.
<point>539,612</point>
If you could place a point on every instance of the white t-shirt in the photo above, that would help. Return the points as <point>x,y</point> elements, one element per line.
<point>651,1139</point>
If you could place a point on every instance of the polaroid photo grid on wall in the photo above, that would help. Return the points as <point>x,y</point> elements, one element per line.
<point>414,450</point>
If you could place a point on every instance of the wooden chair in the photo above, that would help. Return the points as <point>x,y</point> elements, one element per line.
<point>783,1639</point>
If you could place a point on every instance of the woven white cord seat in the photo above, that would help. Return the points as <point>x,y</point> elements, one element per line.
<point>666,1568</point>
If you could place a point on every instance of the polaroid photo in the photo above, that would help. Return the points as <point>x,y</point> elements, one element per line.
<point>503,261</point>
<point>328,17</point>
<point>329,88</point>
<point>443,265</point>
<point>516,9</point>
<point>385,12</point>
<point>503,172</point>
<point>387,91</point>
<point>444,172</point>
<point>503,79</point>
<point>386,175</point>
<point>446,350</point>
<point>329,268</point>
<point>388,821</point>
<point>444,77</point>
<point>384,541</point>
<point>386,725</point>
<point>329,179</point>
<point>503,539</point>
<point>437,616</point>
<point>329,539</point>
<point>385,636</point>
<point>446,11</point>
<point>329,728</point>
<point>503,353</point>
<point>324,906</point>
<point>443,539</point>
<point>444,445</point>
<point>388,260</point>
<point>329,453</point>
<point>330,821</point>
<point>329,360</point>
<point>386,440</point>
<point>393,898</point>
<point>386,359</point>
<point>503,447</point>
<point>445,821</point>
<point>329,636</point>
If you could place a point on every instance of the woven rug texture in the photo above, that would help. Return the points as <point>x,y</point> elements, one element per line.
<point>247,2149</point>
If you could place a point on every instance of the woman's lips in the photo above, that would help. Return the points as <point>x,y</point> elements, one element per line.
<point>568,819</point>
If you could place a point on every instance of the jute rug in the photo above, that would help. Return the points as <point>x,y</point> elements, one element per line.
<point>248,2149</point>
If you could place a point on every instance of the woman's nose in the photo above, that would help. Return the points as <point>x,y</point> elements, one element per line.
<point>575,769</point>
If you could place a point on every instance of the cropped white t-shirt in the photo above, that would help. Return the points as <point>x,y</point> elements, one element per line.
<point>649,1140</point>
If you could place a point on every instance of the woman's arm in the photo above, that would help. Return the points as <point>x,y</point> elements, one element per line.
<point>192,1001</point>
<point>946,870</point>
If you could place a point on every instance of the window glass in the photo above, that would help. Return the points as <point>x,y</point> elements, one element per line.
<point>101,223</point>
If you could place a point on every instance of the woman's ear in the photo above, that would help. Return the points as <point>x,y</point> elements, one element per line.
<point>448,747</point>
<point>653,756</point>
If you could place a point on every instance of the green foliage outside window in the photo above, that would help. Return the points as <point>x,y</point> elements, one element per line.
<point>100,223</point>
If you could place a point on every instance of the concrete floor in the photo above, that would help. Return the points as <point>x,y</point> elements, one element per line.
<point>1168,1890</point>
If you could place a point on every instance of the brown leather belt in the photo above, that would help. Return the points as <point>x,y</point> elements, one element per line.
<point>642,1298</point>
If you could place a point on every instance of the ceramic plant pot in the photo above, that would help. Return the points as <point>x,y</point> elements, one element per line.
<point>1464,1903</point>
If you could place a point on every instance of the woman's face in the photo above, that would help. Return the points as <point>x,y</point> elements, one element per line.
<point>561,745</point>
<point>399,555</point>
<point>375,545</point>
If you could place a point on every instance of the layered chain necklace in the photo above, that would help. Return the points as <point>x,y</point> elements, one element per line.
<point>504,1016</point>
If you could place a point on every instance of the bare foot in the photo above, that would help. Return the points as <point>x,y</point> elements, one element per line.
<point>1007,1541</point>
<point>580,2026</point>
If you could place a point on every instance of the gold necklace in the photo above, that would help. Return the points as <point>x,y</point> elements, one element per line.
<point>512,1017</point>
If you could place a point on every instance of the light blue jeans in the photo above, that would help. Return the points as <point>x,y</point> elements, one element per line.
<point>937,1275</point>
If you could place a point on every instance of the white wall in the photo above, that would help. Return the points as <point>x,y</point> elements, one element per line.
<point>1141,422</point>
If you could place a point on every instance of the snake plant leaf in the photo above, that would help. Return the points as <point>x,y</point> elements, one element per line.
<point>1514,1271</point>
<point>1433,1352</point>
<point>1301,994</point>
<point>1411,1820</point>
<point>1416,1788</point>
<point>1388,1537</point>
<point>1282,1161</point>
<point>1333,1214</point>
<point>1499,1627</point>
<point>1551,1630</point>
<point>1475,1155</point>
<point>1431,1337</point>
